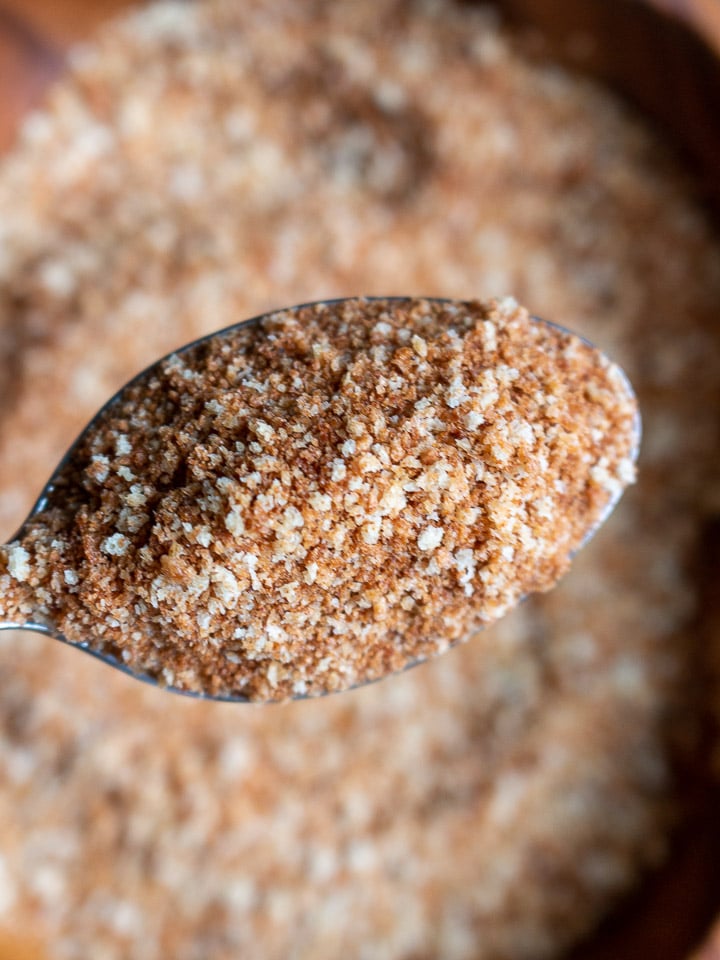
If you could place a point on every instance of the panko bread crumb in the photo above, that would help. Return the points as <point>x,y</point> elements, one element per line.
<point>311,502</point>
<point>211,161</point>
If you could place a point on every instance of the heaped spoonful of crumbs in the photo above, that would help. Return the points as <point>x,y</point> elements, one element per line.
<point>324,495</point>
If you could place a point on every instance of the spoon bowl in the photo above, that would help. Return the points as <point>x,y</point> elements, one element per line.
<point>57,486</point>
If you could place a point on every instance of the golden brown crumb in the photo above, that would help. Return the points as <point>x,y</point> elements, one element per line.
<point>211,161</point>
<point>315,501</point>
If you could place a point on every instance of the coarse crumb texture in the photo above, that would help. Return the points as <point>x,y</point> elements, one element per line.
<point>326,496</point>
<point>205,163</point>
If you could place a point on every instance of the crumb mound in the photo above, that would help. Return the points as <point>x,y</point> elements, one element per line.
<point>315,501</point>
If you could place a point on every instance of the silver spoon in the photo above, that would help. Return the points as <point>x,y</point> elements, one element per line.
<point>50,489</point>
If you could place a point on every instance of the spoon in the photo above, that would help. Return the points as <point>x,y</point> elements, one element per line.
<point>67,510</point>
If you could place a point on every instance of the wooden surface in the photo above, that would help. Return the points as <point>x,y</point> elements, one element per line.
<point>672,78</point>
<point>34,36</point>
<point>704,14</point>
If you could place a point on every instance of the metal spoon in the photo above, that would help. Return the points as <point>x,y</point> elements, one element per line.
<point>50,490</point>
